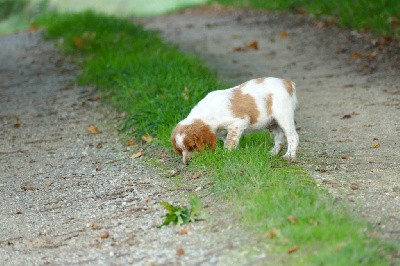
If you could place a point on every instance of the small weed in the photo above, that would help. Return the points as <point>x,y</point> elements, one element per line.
<point>182,215</point>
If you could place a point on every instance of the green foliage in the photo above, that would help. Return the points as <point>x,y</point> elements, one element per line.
<point>182,215</point>
<point>379,16</point>
<point>11,7</point>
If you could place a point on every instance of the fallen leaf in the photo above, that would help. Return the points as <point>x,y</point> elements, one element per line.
<point>104,234</point>
<point>319,24</point>
<point>272,233</point>
<point>253,45</point>
<point>371,54</point>
<point>17,125</point>
<point>25,187</point>
<point>94,226</point>
<point>354,186</point>
<point>283,34</point>
<point>78,42</point>
<point>292,219</point>
<point>394,21</point>
<point>293,249</point>
<point>137,154</point>
<point>131,142</point>
<point>93,129</point>
<point>162,155</point>
<point>180,251</point>
<point>377,145</point>
<point>196,175</point>
<point>183,231</point>
<point>356,55</point>
<point>147,138</point>
<point>345,157</point>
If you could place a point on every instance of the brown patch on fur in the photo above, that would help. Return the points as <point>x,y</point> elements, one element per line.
<point>198,136</point>
<point>289,86</point>
<point>243,105</point>
<point>269,104</point>
<point>259,80</point>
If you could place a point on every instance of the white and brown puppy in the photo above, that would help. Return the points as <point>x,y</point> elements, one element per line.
<point>258,104</point>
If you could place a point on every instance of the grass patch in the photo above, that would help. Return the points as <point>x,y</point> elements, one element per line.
<point>156,86</point>
<point>382,17</point>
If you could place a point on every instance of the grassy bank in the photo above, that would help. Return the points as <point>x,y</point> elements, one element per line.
<point>156,85</point>
<point>381,17</point>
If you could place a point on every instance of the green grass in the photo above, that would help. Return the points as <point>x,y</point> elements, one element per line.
<point>361,14</point>
<point>156,85</point>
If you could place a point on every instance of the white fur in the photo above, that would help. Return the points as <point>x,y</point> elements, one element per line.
<point>216,111</point>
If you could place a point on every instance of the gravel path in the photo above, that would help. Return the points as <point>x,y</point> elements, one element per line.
<point>348,90</point>
<point>71,197</point>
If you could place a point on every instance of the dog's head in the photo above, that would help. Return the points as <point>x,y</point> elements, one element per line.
<point>188,138</point>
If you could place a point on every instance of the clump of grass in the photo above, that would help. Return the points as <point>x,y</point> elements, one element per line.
<point>156,85</point>
<point>382,17</point>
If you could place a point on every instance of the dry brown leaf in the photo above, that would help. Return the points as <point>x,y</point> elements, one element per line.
<point>354,186</point>
<point>196,175</point>
<point>147,138</point>
<point>293,249</point>
<point>137,154</point>
<point>180,251</point>
<point>371,54</point>
<point>94,226</point>
<point>283,34</point>
<point>93,129</point>
<point>78,42</point>
<point>395,22</point>
<point>253,45</point>
<point>25,187</point>
<point>272,233</point>
<point>131,142</point>
<point>17,125</point>
<point>104,234</point>
<point>345,157</point>
<point>319,24</point>
<point>162,155</point>
<point>292,219</point>
<point>356,55</point>
<point>183,231</point>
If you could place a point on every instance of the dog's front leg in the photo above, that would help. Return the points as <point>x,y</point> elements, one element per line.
<point>233,137</point>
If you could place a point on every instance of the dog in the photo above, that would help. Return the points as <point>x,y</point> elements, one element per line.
<point>258,104</point>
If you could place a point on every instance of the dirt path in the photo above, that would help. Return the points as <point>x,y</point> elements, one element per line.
<point>348,90</point>
<point>62,187</point>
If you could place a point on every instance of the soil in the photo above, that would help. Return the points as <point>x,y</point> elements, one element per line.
<point>348,86</point>
<point>70,192</point>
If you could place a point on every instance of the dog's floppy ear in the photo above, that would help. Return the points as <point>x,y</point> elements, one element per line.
<point>206,138</point>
